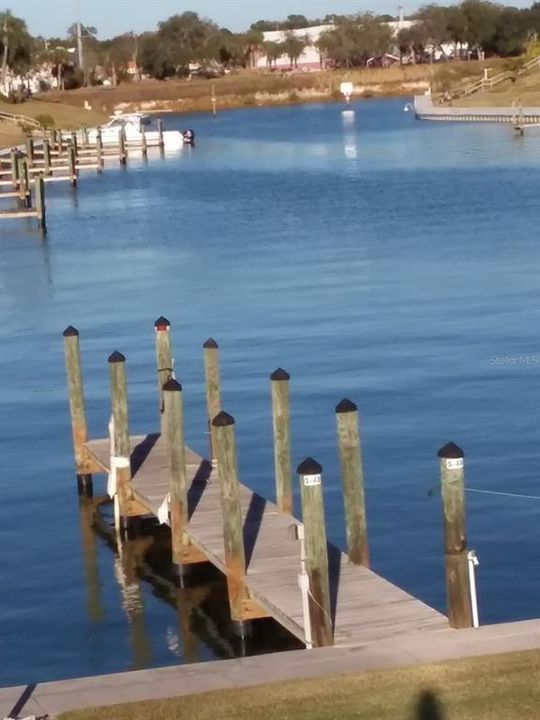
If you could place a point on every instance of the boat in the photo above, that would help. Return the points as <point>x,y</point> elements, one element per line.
<point>133,125</point>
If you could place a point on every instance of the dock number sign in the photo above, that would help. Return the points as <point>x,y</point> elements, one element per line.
<point>454,463</point>
<point>312,480</point>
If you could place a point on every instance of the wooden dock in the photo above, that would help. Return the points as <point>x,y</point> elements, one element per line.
<point>366,608</point>
<point>275,565</point>
<point>52,156</point>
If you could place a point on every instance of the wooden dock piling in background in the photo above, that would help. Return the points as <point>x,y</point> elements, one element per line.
<point>282,439</point>
<point>164,358</point>
<point>77,408</point>
<point>455,536</point>
<point>352,478</point>
<point>213,391</point>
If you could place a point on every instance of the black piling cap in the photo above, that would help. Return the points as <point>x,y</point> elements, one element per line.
<point>309,467</point>
<point>172,385</point>
<point>346,406</point>
<point>117,357</point>
<point>70,331</point>
<point>210,344</point>
<point>223,419</point>
<point>280,374</point>
<point>162,322</point>
<point>451,451</point>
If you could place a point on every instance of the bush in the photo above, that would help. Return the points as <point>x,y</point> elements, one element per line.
<point>46,121</point>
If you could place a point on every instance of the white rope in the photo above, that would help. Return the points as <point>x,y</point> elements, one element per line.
<point>504,494</point>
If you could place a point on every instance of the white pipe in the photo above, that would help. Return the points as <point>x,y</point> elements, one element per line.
<point>303,583</point>
<point>473,561</point>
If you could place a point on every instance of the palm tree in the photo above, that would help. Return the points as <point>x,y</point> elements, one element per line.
<point>14,36</point>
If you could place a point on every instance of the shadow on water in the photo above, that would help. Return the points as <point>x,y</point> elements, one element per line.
<point>429,707</point>
<point>200,608</point>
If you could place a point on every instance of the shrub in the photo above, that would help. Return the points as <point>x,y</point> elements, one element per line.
<point>46,121</point>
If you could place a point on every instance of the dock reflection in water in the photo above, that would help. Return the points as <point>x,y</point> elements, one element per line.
<point>200,614</point>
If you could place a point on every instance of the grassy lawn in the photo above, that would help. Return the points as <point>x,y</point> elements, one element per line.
<point>66,117</point>
<point>500,687</point>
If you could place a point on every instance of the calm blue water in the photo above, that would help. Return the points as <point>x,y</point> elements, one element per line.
<point>390,261</point>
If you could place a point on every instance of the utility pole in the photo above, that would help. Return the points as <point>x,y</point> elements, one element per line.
<point>80,46</point>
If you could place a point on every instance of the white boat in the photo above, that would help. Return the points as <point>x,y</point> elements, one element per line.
<point>133,125</point>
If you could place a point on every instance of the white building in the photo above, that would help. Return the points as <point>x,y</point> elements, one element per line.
<point>310,59</point>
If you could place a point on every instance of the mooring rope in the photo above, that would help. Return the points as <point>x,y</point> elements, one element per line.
<point>504,494</point>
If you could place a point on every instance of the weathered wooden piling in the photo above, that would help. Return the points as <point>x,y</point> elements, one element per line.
<point>46,157</point>
<point>455,537</point>
<point>310,473</point>
<point>144,147</point>
<point>84,135</point>
<point>99,151</point>
<point>72,163</point>
<point>164,359</point>
<point>161,141</point>
<point>122,146</point>
<point>282,439</point>
<point>77,408</point>
<point>173,417</point>
<point>121,443</point>
<point>235,559</point>
<point>213,391</point>
<point>24,187</point>
<point>30,149</point>
<point>74,142</point>
<point>352,478</point>
<point>14,162</point>
<point>41,213</point>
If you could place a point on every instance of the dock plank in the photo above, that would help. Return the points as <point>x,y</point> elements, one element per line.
<point>366,607</point>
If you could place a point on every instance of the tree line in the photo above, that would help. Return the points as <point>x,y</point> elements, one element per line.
<point>186,40</point>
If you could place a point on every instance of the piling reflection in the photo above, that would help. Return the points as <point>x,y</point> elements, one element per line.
<point>87,510</point>
<point>350,149</point>
<point>200,628</point>
<point>127,576</point>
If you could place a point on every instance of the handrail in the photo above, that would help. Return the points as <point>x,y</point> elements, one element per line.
<point>500,77</point>
<point>19,119</point>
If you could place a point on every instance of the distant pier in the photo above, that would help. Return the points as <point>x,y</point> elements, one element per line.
<point>424,109</point>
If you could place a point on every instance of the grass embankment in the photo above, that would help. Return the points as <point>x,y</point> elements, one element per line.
<point>251,89</point>
<point>525,90</point>
<point>520,88</point>
<point>64,116</point>
<point>500,687</point>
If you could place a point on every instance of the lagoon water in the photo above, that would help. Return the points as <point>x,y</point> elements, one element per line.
<point>375,257</point>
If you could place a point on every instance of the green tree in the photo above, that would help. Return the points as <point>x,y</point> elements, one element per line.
<point>184,38</point>
<point>273,51</point>
<point>354,42</point>
<point>15,43</point>
<point>481,19</point>
<point>295,22</point>
<point>293,46</point>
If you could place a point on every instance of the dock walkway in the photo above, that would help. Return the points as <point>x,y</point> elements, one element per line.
<point>365,607</point>
<point>424,109</point>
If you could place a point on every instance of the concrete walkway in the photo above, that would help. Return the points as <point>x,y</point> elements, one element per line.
<point>407,650</point>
